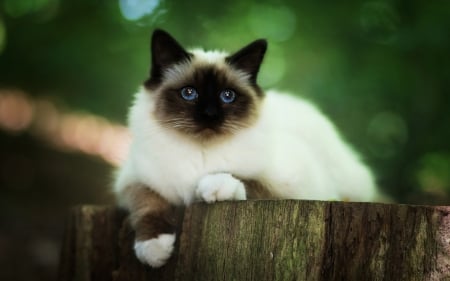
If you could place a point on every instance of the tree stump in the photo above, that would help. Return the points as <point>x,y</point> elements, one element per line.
<point>269,240</point>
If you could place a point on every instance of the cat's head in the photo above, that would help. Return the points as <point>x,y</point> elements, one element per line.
<point>201,94</point>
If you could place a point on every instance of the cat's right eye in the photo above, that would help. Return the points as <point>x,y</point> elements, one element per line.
<point>189,93</point>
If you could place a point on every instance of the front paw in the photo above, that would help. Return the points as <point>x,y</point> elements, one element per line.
<point>155,252</point>
<point>220,187</point>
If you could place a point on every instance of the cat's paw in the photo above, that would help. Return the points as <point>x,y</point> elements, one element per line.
<point>155,252</point>
<point>220,187</point>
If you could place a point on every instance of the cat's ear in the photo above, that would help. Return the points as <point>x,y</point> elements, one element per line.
<point>166,51</point>
<point>249,58</point>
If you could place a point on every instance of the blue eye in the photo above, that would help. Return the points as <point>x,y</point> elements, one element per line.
<point>189,93</point>
<point>227,96</point>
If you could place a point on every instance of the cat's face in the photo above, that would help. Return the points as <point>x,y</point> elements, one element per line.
<point>204,95</point>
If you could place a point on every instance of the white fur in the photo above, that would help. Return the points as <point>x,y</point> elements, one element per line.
<point>155,252</point>
<point>213,57</point>
<point>292,148</point>
<point>220,187</point>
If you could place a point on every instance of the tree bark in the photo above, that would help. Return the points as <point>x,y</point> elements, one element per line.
<point>269,240</point>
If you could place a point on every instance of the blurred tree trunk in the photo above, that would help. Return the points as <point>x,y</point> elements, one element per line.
<point>269,240</point>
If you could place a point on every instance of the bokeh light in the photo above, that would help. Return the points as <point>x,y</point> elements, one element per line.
<point>16,111</point>
<point>433,173</point>
<point>387,132</point>
<point>276,23</point>
<point>77,131</point>
<point>137,9</point>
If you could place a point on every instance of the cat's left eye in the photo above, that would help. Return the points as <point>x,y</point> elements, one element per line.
<point>228,96</point>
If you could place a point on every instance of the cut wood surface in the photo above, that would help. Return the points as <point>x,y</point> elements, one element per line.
<point>269,240</point>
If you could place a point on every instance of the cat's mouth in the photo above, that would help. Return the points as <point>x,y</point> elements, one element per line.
<point>205,131</point>
<point>208,132</point>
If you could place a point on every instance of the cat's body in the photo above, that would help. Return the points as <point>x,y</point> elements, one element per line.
<point>203,130</point>
<point>292,149</point>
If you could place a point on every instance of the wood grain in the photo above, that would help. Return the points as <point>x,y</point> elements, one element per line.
<point>269,240</point>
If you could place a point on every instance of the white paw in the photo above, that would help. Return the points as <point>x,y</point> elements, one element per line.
<point>220,187</point>
<point>155,252</point>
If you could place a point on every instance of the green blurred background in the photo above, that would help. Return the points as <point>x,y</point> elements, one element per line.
<point>68,69</point>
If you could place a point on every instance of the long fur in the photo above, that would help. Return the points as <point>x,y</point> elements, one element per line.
<point>262,145</point>
<point>292,148</point>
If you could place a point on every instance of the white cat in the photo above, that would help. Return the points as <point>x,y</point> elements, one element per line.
<point>204,130</point>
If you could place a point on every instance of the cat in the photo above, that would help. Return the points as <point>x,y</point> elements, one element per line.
<point>203,130</point>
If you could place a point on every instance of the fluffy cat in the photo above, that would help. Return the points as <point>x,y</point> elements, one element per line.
<point>204,130</point>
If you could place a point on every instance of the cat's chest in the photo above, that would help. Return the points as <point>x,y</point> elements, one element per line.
<point>233,156</point>
<point>175,168</point>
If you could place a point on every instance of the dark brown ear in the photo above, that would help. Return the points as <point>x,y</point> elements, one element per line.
<point>249,58</point>
<point>166,51</point>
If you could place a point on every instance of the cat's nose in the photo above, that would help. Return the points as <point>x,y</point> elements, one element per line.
<point>211,111</point>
